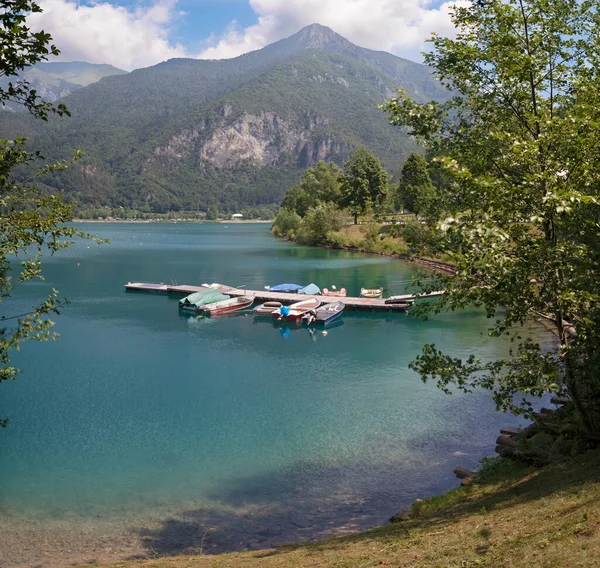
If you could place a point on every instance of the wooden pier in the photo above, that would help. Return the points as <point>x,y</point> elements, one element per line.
<point>260,296</point>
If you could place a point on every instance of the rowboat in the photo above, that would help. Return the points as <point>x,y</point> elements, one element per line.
<point>266,309</point>
<point>371,292</point>
<point>195,302</point>
<point>399,300</point>
<point>228,306</point>
<point>341,293</point>
<point>297,310</point>
<point>325,314</point>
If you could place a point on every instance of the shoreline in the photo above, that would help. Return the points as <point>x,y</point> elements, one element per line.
<point>173,221</point>
<point>438,265</point>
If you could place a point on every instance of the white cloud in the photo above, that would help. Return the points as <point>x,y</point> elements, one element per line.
<point>138,36</point>
<point>105,33</point>
<point>397,26</point>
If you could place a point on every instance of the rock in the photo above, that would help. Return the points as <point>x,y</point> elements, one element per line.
<point>463,473</point>
<point>510,431</point>
<point>399,516</point>
<point>505,440</point>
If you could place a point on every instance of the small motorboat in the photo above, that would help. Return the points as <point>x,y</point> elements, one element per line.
<point>297,310</point>
<point>341,293</point>
<point>266,309</point>
<point>228,306</point>
<point>371,292</point>
<point>325,314</point>
<point>195,302</point>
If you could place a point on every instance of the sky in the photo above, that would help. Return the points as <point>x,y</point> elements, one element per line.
<point>130,34</point>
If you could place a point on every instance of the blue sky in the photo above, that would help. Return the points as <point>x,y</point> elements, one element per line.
<point>137,33</point>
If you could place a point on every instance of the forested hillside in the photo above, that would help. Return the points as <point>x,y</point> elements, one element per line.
<point>191,134</point>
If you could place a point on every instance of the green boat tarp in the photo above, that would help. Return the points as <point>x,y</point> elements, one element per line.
<point>202,298</point>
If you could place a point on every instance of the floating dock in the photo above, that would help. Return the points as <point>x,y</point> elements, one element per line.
<point>260,296</point>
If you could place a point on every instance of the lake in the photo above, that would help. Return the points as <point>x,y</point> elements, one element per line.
<point>144,432</point>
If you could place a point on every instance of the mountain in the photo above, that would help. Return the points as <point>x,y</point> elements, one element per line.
<point>188,134</point>
<point>55,81</point>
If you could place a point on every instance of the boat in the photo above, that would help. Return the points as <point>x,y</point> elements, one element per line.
<point>287,287</point>
<point>228,306</point>
<point>396,300</point>
<point>371,292</point>
<point>297,310</point>
<point>310,290</point>
<point>341,293</point>
<point>266,309</point>
<point>400,303</point>
<point>195,302</point>
<point>325,314</point>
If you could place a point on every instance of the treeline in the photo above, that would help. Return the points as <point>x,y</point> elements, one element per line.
<point>396,216</point>
<point>212,213</point>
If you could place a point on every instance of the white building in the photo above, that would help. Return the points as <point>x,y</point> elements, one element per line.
<point>237,217</point>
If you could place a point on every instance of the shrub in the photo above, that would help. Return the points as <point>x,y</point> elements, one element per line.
<point>286,223</point>
<point>319,221</point>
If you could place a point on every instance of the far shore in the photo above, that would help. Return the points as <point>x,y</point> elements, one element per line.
<point>236,221</point>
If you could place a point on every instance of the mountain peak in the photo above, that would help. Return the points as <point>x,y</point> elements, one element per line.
<point>317,36</point>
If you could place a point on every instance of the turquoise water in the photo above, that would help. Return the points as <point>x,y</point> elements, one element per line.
<point>143,415</point>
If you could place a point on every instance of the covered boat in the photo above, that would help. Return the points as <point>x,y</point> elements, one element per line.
<point>195,302</point>
<point>310,290</point>
<point>325,314</point>
<point>297,310</point>
<point>371,292</point>
<point>287,287</point>
<point>228,306</point>
<point>267,309</point>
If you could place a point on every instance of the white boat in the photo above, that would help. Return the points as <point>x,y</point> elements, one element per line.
<point>325,314</point>
<point>371,292</point>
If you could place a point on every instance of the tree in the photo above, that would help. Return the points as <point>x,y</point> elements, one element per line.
<point>30,223</point>
<point>212,213</point>
<point>364,183</point>
<point>20,48</point>
<point>319,222</point>
<point>520,141</point>
<point>286,223</point>
<point>415,190</point>
<point>320,184</point>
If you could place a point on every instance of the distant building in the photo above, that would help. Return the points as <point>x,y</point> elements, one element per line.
<point>237,217</point>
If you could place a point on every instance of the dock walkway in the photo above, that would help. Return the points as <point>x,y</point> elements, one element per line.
<point>351,303</point>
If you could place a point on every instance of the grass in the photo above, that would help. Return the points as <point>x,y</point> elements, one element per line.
<point>513,516</point>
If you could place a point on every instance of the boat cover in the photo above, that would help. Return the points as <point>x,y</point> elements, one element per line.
<point>311,289</point>
<point>285,288</point>
<point>204,297</point>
